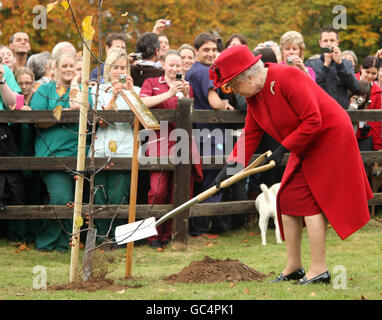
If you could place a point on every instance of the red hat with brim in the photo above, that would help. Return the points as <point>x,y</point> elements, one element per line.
<point>230,63</point>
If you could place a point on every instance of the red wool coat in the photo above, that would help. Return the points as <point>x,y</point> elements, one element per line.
<point>318,132</point>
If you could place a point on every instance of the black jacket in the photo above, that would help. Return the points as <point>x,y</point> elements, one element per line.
<point>336,79</point>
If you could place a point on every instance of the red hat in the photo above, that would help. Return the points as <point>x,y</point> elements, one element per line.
<point>230,63</point>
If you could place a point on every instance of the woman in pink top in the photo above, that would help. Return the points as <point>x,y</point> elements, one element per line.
<point>292,48</point>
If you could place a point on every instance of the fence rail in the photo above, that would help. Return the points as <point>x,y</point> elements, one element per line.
<point>184,117</point>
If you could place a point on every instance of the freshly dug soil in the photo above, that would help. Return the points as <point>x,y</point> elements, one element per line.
<point>215,270</point>
<point>89,286</point>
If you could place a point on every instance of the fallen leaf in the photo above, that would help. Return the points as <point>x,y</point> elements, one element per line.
<point>124,14</point>
<point>252,234</point>
<point>17,251</point>
<point>57,113</point>
<point>246,291</point>
<point>212,236</point>
<point>51,6</point>
<point>61,90</point>
<point>159,249</point>
<point>19,294</point>
<point>231,285</point>
<point>113,146</point>
<point>22,247</point>
<point>245,240</point>
<point>312,294</point>
<point>122,291</point>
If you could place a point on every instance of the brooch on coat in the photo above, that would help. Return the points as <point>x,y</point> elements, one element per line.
<point>272,85</point>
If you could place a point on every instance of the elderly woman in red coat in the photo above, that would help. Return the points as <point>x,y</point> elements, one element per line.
<point>324,177</point>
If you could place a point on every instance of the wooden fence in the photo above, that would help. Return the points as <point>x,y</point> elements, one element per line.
<point>184,117</point>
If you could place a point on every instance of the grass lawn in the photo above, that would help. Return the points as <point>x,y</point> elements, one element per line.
<point>359,256</point>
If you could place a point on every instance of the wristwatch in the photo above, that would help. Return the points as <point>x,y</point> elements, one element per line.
<point>3,82</point>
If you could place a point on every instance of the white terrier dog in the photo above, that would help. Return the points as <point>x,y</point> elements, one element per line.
<point>266,206</point>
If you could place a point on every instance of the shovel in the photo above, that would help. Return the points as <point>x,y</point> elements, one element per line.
<point>87,258</point>
<point>146,228</point>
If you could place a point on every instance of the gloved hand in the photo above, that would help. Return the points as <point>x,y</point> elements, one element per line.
<point>277,155</point>
<point>365,130</point>
<point>229,170</point>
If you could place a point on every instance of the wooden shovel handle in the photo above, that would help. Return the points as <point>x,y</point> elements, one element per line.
<point>231,180</point>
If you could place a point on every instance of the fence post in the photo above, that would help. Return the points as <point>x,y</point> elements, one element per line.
<point>182,176</point>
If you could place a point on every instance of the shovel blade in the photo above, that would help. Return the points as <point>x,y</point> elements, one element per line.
<point>87,258</point>
<point>135,231</point>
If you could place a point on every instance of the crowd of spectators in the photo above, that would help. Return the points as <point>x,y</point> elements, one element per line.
<point>161,75</point>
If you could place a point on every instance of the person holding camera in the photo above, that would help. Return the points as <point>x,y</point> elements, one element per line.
<point>113,139</point>
<point>163,93</point>
<point>333,74</point>
<point>305,121</point>
<point>292,48</point>
<point>369,133</point>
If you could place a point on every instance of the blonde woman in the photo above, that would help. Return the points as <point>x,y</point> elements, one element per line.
<point>57,140</point>
<point>292,48</point>
<point>187,52</point>
<point>113,187</point>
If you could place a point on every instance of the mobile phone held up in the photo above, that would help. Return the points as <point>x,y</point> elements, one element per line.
<point>19,101</point>
<point>178,77</point>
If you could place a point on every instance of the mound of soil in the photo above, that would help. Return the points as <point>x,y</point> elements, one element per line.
<point>89,286</point>
<point>215,270</point>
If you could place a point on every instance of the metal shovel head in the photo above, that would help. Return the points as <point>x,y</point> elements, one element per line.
<point>87,258</point>
<point>135,231</point>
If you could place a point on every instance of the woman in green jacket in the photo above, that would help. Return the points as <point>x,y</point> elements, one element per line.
<point>57,140</point>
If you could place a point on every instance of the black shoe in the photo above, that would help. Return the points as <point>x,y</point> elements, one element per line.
<point>164,243</point>
<point>155,244</point>
<point>321,278</point>
<point>295,275</point>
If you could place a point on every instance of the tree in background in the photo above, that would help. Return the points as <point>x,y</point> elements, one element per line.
<point>258,20</point>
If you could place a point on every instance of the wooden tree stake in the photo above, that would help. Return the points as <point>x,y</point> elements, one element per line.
<point>80,163</point>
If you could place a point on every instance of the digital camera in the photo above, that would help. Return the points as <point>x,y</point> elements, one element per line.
<point>122,78</point>
<point>137,56</point>
<point>178,77</point>
<point>327,50</point>
<point>289,60</point>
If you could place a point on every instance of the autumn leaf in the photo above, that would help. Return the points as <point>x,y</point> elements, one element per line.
<point>78,221</point>
<point>57,113</point>
<point>61,91</point>
<point>51,6</point>
<point>73,93</point>
<point>65,4</point>
<point>87,27</point>
<point>124,14</point>
<point>113,146</point>
<point>246,291</point>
